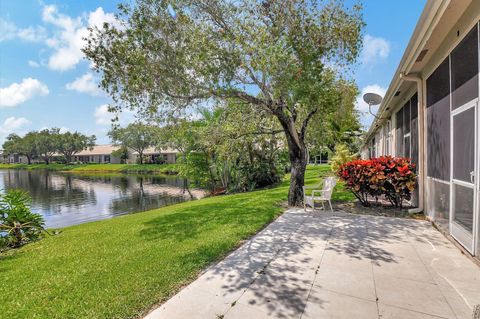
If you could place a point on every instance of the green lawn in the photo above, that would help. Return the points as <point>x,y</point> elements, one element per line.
<point>120,268</point>
<point>116,168</point>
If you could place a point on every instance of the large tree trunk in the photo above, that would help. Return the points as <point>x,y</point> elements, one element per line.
<point>298,160</point>
<point>68,158</point>
<point>29,160</point>
<point>298,164</point>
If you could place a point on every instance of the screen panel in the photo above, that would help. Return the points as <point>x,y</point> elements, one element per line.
<point>438,140</point>
<point>407,146</point>
<point>464,145</point>
<point>464,68</point>
<point>438,123</point>
<point>406,118</point>
<point>438,202</point>
<point>463,206</point>
<point>399,133</point>
<point>414,128</point>
<point>438,84</point>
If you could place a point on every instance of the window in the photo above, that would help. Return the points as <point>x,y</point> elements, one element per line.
<point>414,128</point>
<point>406,118</point>
<point>399,133</point>
<point>406,130</point>
<point>106,158</point>
<point>373,152</point>
<point>464,68</point>
<point>406,143</point>
<point>387,137</point>
<point>407,126</point>
<point>438,123</point>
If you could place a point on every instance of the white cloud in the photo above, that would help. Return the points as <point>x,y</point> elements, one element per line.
<point>8,30</point>
<point>32,34</point>
<point>64,130</point>
<point>11,31</point>
<point>98,17</point>
<point>33,64</point>
<point>17,93</point>
<point>374,49</point>
<point>13,125</point>
<point>102,116</point>
<point>85,84</point>
<point>68,41</point>
<point>365,117</point>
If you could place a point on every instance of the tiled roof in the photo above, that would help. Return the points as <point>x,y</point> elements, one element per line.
<point>99,150</point>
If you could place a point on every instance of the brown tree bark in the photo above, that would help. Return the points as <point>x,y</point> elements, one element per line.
<point>298,162</point>
<point>298,158</point>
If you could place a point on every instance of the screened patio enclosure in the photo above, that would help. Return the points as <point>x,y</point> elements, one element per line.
<point>452,141</point>
<point>432,115</point>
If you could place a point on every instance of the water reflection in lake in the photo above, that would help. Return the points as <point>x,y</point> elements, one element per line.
<point>67,199</point>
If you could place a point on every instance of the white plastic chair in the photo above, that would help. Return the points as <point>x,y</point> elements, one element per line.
<point>324,194</point>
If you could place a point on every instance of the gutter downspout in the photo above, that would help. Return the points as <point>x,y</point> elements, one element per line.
<point>421,145</point>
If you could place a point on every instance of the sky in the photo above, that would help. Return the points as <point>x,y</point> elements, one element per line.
<point>46,82</point>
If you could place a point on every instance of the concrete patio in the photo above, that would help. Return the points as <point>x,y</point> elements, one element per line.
<point>335,265</point>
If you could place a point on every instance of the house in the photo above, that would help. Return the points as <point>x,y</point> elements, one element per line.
<point>431,114</point>
<point>103,154</point>
<point>13,159</point>
<point>153,155</point>
<point>3,157</point>
<point>98,154</point>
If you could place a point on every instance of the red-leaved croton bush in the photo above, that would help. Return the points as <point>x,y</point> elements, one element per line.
<point>391,177</point>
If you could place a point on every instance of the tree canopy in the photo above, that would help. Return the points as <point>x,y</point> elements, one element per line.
<point>285,57</point>
<point>136,136</point>
<point>46,143</point>
<point>69,144</point>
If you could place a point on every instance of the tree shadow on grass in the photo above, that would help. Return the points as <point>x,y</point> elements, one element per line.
<point>189,223</point>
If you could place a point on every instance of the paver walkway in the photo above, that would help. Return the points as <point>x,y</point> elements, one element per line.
<point>335,265</point>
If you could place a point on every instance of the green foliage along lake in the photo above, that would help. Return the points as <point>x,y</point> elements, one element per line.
<point>66,199</point>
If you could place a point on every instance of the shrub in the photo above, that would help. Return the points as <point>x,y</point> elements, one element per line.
<point>393,178</point>
<point>18,225</point>
<point>342,155</point>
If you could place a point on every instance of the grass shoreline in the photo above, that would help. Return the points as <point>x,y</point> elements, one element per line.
<point>166,169</point>
<point>121,267</point>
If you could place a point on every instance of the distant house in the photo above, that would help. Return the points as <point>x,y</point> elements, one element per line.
<point>152,155</point>
<point>3,157</point>
<point>430,113</point>
<point>12,158</point>
<point>102,154</point>
<point>98,154</point>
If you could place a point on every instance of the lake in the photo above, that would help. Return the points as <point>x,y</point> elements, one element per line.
<point>65,199</point>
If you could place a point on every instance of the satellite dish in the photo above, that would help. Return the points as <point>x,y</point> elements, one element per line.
<point>372,98</point>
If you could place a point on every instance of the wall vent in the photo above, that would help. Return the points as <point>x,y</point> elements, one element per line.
<point>421,55</point>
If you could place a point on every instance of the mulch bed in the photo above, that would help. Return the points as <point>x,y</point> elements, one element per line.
<point>380,208</point>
